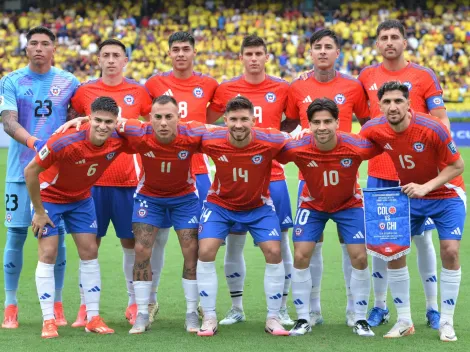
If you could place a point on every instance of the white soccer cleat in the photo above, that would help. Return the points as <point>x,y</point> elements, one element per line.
<point>234,315</point>
<point>362,328</point>
<point>400,329</point>
<point>141,325</point>
<point>301,328</point>
<point>350,319</point>
<point>274,327</point>
<point>209,327</point>
<point>191,324</point>
<point>447,333</point>
<point>316,318</point>
<point>284,317</point>
<point>154,308</point>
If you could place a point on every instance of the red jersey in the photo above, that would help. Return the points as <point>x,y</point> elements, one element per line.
<point>134,101</point>
<point>167,167</point>
<point>73,164</point>
<point>425,95</point>
<point>419,153</point>
<point>269,99</point>
<point>330,176</point>
<point>242,175</point>
<point>193,96</point>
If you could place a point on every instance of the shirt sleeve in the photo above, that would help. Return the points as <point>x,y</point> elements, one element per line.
<point>370,150</point>
<point>146,105</point>
<point>432,91</point>
<point>152,86</point>
<point>361,108</point>
<point>292,110</point>
<point>78,101</point>
<point>7,95</point>
<point>46,157</point>
<point>446,149</point>
<point>218,101</point>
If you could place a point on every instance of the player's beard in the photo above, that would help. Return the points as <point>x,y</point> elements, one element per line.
<point>397,119</point>
<point>240,136</point>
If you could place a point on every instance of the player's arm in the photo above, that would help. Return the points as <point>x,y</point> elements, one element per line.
<point>212,115</point>
<point>361,107</point>
<point>72,113</point>
<point>441,114</point>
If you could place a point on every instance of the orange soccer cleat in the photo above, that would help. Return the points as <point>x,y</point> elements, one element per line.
<point>49,329</point>
<point>131,313</point>
<point>10,320</point>
<point>81,318</point>
<point>59,314</point>
<point>97,325</point>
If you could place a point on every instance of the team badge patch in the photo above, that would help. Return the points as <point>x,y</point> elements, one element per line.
<point>198,92</point>
<point>129,99</point>
<point>55,91</point>
<point>45,231</point>
<point>270,97</point>
<point>418,147</point>
<point>408,85</point>
<point>382,226</point>
<point>346,162</point>
<point>339,99</point>
<point>44,152</point>
<point>257,159</point>
<point>298,231</point>
<point>437,101</point>
<point>142,212</point>
<point>8,217</point>
<point>110,155</point>
<point>452,147</point>
<point>182,155</point>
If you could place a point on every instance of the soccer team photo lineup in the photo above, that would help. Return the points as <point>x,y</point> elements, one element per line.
<point>177,153</point>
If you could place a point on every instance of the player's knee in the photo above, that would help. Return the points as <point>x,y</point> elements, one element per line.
<point>301,260</point>
<point>142,251</point>
<point>449,255</point>
<point>397,263</point>
<point>206,254</point>
<point>48,255</point>
<point>272,254</point>
<point>359,260</point>
<point>88,251</point>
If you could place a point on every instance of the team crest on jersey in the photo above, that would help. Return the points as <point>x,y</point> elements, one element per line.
<point>418,147</point>
<point>382,226</point>
<point>182,155</point>
<point>55,91</point>
<point>8,217</point>
<point>198,92</point>
<point>129,99</point>
<point>257,159</point>
<point>346,162</point>
<point>110,155</point>
<point>340,99</point>
<point>408,85</point>
<point>298,231</point>
<point>270,97</point>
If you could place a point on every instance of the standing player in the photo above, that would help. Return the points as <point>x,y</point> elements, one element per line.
<point>426,97</point>
<point>243,157</point>
<point>429,168</point>
<point>33,104</point>
<point>193,91</point>
<point>113,192</point>
<point>329,161</point>
<point>350,98</point>
<point>69,165</point>
<point>269,97</point>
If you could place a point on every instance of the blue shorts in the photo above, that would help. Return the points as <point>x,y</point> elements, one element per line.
<point>280,196</point>
<point>17,205</point>
<point>373,182</point>
<point>448,215</point>
<point>217,221</point>
<point>309,225</point>
<point>114,204</point>
<point>184,211</point>
<point>203,184</point>
<point>79,217</point>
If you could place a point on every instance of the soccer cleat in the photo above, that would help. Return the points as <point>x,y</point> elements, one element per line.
<point>447,333</point>
<point>300,328</point>
<point>274,327</point>
<point>96,324</point>
<point>234,315</point>
<point>141,324</point>
<point>400,329</point>
<point>10,318</point>
<point>316,318</point>
<point>49,329</point>
<point>131,313</point>
<point>433,317</point>
<point>284,317</point>
<point>209,327</point>
<point>362,328</point>
<point>59,314</point>
<point>81,318</point>
<point>350,319</point>
<point>191,324</point>
<point>154,308</point>
<point>378,316</point>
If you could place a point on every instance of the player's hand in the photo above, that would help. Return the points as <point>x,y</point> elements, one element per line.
<point>414,190</point>
<point>302,133</point>
<point>76,122</point>
<point>304,75</point>
<point>39,222</point>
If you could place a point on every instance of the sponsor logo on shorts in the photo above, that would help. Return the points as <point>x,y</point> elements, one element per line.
<point>110,155</point>
<point>270,97</point>
<point>142,212</point>
<point>182,155</point>
<point>418,147</point>
<point>198,92</point>
<point>257,159</point>
<point>129,99</point>
<point>339,99</point>
<point>298,231</point>
<point>346,162</point>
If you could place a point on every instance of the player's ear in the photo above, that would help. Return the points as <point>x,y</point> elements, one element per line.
<point>405,44</point>
<point>240,57</point>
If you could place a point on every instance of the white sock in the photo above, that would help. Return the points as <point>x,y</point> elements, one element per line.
<point>191,294</point>
<point>207,286</point>
<point>80,287</point>
<point>450,284</point>
<point>380,281</point>
<point>273,285</point>
<point>45,284</point>
<point>91,282</point>
<point>426,255</point>
<point>157,260</point>
<point>347,269</point>
<point>142,292</point>
<point>316,272</point>
<point>128,267</point>
<point>235,268</point>
<point>399,283</point>
<point>301,289</point>
<point>286,255</point>
<point>360,290</point>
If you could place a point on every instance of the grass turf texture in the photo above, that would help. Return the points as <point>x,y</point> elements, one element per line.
<point>168,334</point>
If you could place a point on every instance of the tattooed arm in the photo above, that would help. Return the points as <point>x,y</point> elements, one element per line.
<point>72,113</point>
<point>13,128</point>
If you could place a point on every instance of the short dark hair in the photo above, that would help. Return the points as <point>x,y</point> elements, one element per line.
<point>40,30</point>
<point>181,37</point>
<point>389,24</point>
<point>164,99</point>
<point>253,41</point>
<point>239,103</point>
<point>393,85</point>
<point>105,104</point>
<point>112,42</point>
<point>322,104</point>
<point>321,33</point>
